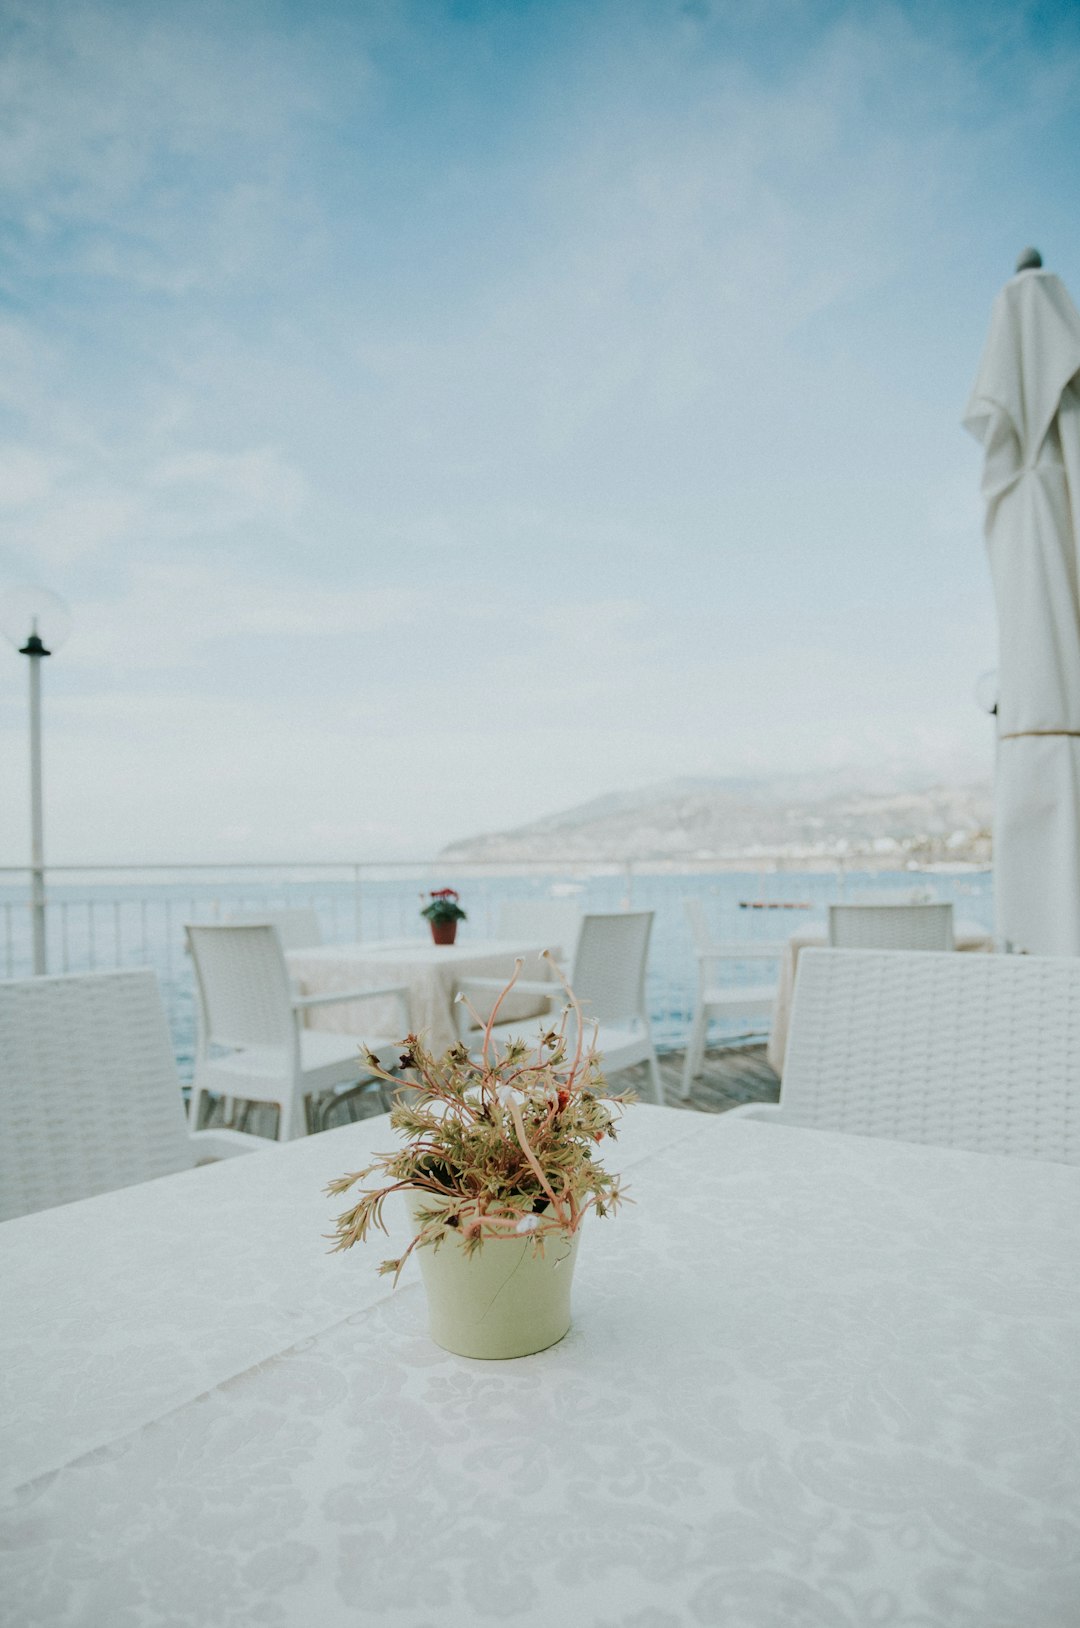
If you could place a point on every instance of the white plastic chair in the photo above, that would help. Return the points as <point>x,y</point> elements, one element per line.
<point>716,999</point>
<point>924,894</point>
<point>980,1052</point>
<point>89,1095</point>
<point>891,926</point>
<point>553,922</point>
<point>252,1043</point>
<point>297,929</point>
<point>608,978</point>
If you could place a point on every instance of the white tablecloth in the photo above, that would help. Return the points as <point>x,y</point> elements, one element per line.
<point>966,937</point>
<point>431,971</point>
<point>814,1381</point>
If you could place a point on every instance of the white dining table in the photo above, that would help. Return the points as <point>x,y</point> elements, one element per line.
<point>813,1381</point>
<point>430,972</point>
<point>968,936</point>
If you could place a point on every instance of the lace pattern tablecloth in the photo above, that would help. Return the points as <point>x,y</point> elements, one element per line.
<point>431,972</point>
<point>814,1381</point>
<point>125,1306</point>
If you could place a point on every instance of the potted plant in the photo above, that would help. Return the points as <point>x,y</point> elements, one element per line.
<point>444,913</point>
<point>499,1168</point>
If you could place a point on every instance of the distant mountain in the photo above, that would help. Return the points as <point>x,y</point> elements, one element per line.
<point>813,816</point>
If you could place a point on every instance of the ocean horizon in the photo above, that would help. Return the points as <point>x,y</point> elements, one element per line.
<point>100,924</point>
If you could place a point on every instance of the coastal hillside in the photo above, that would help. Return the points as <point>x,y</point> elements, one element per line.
<point>825,817</point>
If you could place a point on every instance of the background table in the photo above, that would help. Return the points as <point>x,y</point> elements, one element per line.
<point>431,971</point>
<point>966,937</point>
<point>813,1380</point>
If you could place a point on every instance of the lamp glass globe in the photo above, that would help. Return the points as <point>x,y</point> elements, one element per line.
<point>25,611</point>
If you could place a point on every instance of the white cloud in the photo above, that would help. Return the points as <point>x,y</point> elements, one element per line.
<point>255,481</point>
<point>183,614</point>
<point>25,477</point>
<point>128,147</point>
<point>384,518</point>
<point>70,526</point>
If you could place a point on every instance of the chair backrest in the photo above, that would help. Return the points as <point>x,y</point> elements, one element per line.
<point>609,968</point>
<point>731,949</point>
<point>555,923</point>
<point>699,925</point>
<point>891,926</point>
<point>298,929</point>
<point>882,895</point>
<point>243,986</point>
<point>966,1051</point>
<point>89,1095</point>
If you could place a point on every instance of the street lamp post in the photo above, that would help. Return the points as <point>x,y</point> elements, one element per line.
<point>47,617</point>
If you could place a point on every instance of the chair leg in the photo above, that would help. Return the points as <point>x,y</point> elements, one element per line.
<point>292,1118</point>
<point>388,1093</point>
<point>335,1099</point>
<point>703,1036</point>
<point>695,1051</point>
<point>657,1082</point>
<point>195,1107</point>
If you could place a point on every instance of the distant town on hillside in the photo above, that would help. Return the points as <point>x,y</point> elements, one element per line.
<point>797,820</point>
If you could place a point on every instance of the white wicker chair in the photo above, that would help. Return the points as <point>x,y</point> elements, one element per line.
<point>89,1095</point>
<point>924,894</point>
<point>297,929</point>
<point>608,978</point>
<point>891,926</point>
<point>554,922</point>
<point>252,1044</point>
<point>716,999</point>
<point>966,1051</point>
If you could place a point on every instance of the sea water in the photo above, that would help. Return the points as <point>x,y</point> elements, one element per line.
<point>98,924</point>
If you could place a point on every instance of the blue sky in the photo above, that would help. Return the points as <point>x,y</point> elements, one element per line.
<point>436,415</point>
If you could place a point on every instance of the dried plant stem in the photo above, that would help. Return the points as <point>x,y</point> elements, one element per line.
<point>523,1140</point>
<point>504,1145</point>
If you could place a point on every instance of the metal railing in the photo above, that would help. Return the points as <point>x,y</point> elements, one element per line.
<point>98,917</point>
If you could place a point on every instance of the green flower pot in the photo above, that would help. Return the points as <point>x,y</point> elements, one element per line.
<point>505,1300</point>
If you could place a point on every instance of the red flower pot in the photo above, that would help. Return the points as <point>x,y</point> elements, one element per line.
<point>443,932</point>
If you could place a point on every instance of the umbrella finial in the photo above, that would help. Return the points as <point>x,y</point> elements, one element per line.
<point>1030,260</point>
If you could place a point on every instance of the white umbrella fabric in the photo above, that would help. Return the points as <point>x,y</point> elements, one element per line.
<point>1025,409</point>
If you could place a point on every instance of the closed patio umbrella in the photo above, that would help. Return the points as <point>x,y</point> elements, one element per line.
<point>1025,409</point>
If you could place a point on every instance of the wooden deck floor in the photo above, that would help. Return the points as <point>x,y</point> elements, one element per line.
<point>732,1075</point>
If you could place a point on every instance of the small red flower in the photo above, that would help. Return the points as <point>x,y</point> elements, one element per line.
<point>564,1098</point>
